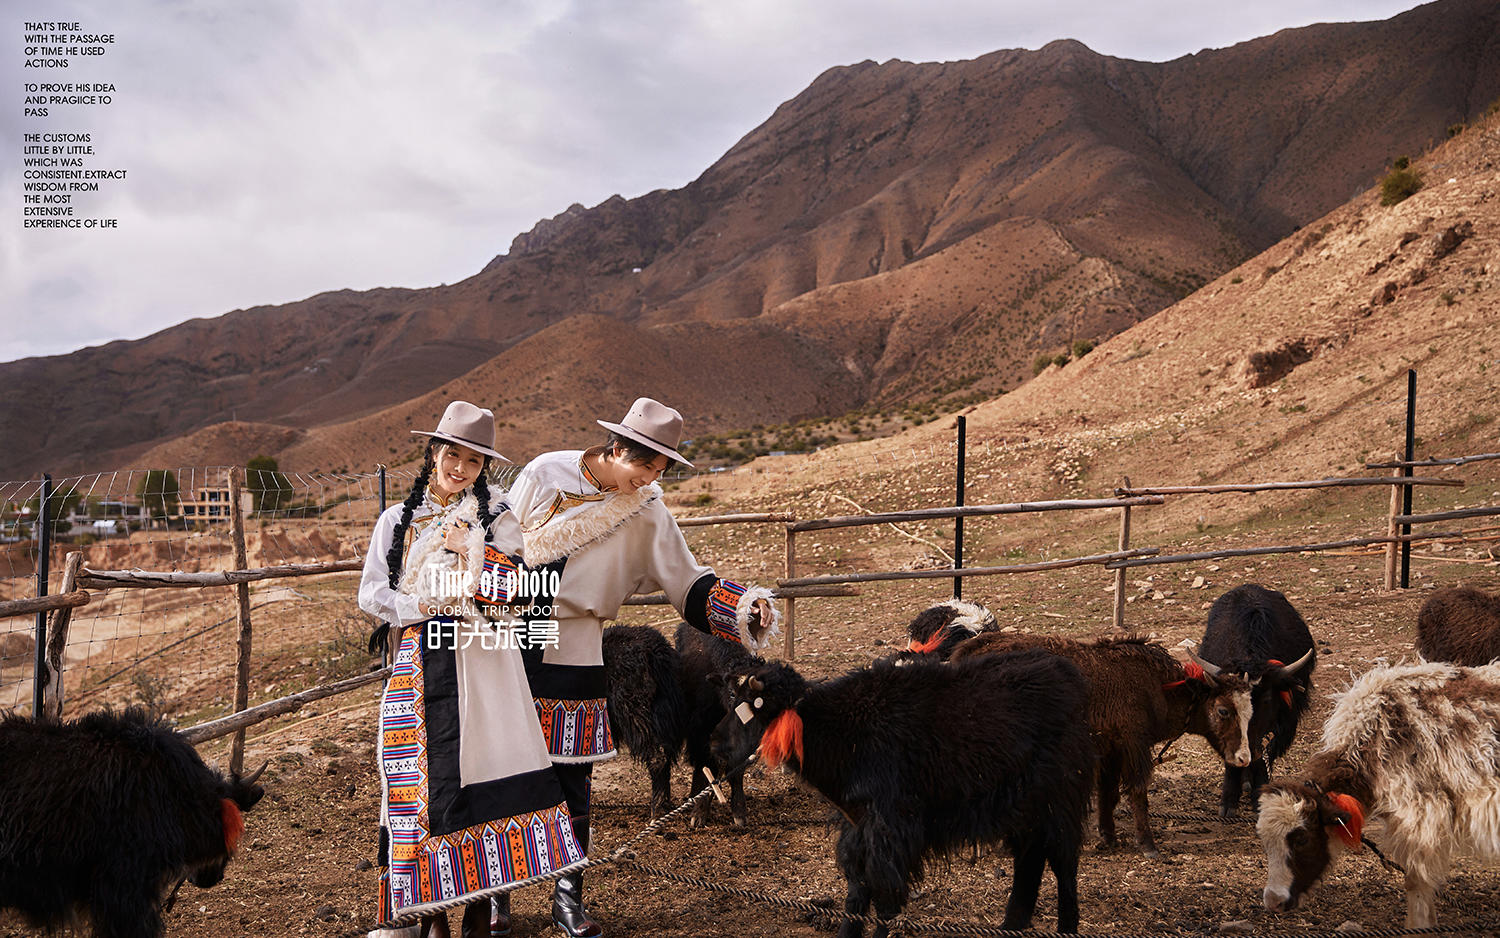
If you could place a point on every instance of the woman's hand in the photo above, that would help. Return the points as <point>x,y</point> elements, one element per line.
<point>455,537</point>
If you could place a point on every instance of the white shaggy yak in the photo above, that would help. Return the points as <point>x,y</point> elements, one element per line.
<point>1416,747</point>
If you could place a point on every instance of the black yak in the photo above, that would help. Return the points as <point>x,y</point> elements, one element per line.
<point>1256,632</point>
<point>925,759</point>
<point>1413,746</point>
<point>662,699</point>
<point>103,816</point>
<point>1140,695</point>
<point>647,710</point>
<point>1460,624</point>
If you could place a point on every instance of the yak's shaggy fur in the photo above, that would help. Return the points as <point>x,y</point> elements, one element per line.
<point>101,816</point>
<point>1461,625</point>
<point>1417,747</point>
<point>1139,695</point>
<point>928,758</point>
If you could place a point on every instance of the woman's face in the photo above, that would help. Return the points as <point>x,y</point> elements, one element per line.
<point>628,476</point>
<point>455,468</point>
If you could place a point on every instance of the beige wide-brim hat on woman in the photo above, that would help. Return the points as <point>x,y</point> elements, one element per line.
<point>654,424</point>
<point>467,425</point>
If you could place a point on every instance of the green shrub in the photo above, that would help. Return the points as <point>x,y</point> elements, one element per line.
<point>1399,185</point>
<point>1061,359</point>
<point>1082,347</point>
<point>1040,364</point>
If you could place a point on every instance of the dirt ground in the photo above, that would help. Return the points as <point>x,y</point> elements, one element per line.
<point>305,869</point>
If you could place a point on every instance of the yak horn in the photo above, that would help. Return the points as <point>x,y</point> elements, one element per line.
<point>250,780</point>
<point>754,684</point>
<point>1209,668</point>
<point>1289,671</point>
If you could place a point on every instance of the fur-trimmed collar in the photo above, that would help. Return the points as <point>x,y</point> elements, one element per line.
<point>428,547</point>
<point>584,524</point>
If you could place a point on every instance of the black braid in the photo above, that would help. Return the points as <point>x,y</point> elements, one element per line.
<point>482,495</point>
<point>413,499</point>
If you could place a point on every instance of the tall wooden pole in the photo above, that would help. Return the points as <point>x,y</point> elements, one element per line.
<point>57,641</point>
<point>242,601</point>
<point>43,569</point>
<point>789,647</point>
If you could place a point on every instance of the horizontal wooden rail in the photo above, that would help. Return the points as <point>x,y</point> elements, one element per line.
<point>1456,461</point>
<point>794,592</point>
<point>1446,515</point>
<point>156,579</point>
<point>1278,486</point>
<point>1284,549</point>
<point>969,511</point>
<point>800,582</point>
<point>34,604</point>
<point>223,726</point>
<point>736,519</point>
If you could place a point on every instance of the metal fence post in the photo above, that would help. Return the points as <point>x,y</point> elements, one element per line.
<point>1120,573</point>
<point>958,523</point>
<point>1411,436</point>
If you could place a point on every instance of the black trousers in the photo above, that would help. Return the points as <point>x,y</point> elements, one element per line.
<point>577,780</point>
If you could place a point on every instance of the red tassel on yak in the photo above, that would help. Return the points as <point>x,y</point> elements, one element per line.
<point>929,646</point>
<point>782,738</point>
<point>234,824</point>
<point>1193,671</point>
<point>1349,832</point>
<point>1286,695</point>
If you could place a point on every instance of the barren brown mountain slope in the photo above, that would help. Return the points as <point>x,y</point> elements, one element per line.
<point>1291,366</point>
<point>911,225</point>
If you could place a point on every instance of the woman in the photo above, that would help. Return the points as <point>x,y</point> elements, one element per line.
<point>469,796</point>
<point>594,531</point>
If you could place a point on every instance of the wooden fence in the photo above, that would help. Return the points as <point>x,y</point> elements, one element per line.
<point>78,581</point>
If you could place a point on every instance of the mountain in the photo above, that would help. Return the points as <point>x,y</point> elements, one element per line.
<point>895,232</point>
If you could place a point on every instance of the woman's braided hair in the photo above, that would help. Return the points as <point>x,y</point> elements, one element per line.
<point>413,499</point>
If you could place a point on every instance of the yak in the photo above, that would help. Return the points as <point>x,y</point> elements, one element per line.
<point>1413,746</point>
<point>1257,633</point>
<point>662,698</point>
<point>103,816</point>
<point>942,627</point>
<point>927,758</point>
<point>1460,624</point>
<point>1140,695</point>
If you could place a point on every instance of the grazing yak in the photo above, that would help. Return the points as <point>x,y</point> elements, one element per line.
<point>1417,747</point>
<point>663,698</point>
<point>1461,625</point>
<point>942,627</point>
<point>103,816</point>
<point>927,758</point>
<point>1255,632</point>
<point>1140,695</point>
<point>647,710</point>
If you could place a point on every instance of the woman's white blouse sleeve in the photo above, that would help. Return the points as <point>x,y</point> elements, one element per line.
<point>375,594</point>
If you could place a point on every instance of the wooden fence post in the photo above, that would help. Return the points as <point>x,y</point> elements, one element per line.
<point>789,648</point>
<point>242,600</point>
<point>1392,550</point>
<point>1120,573</point>
<point>57,640</point>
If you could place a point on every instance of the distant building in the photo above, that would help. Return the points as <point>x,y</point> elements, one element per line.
<point>211,503</point>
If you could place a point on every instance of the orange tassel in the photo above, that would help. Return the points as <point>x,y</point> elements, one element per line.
<point>234,824</point>
<point>929,646</point>
<point>782,739</point>
<point>1349,833</point>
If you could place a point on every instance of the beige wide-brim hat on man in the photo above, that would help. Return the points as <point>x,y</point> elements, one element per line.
<point>467,425</point>
<point>654,424</point>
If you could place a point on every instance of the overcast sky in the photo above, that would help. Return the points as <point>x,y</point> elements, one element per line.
<point>281,148</point>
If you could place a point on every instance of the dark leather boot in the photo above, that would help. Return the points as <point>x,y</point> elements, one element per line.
<point>476,921</point>
<point>500,916</point>
<point>568,911</point>
<point>435,926</point>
